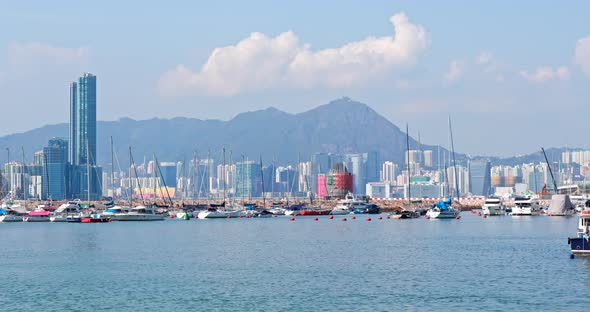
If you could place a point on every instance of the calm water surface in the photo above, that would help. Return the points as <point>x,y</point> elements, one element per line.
<point>496,264</point>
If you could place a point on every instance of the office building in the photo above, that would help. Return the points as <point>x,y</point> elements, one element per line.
<point>479,177</point>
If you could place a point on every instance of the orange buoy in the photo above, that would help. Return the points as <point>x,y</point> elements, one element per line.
<point>387,217</point>
<point>292,219</point>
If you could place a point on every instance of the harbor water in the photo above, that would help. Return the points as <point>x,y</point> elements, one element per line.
<point>494,264</point>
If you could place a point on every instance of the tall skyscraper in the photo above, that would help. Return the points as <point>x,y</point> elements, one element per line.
<point>480,177</point>
<point>54,178</point>
<point>248,179</point>
<point>83,120</point>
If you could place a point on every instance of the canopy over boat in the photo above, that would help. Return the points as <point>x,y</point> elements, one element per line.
<point>560,204</point>
<point>443,205</point>
<point>2,212</point>
<point>38,213</point>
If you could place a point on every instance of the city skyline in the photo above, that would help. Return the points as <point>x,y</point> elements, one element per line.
<point>508,64</point>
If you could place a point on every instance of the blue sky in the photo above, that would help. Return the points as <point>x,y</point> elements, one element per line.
<point>513,75</point>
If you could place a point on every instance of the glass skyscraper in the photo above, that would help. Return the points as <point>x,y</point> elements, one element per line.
<point>83,120</point>
<point>480,180</point>
<point>55,164</point>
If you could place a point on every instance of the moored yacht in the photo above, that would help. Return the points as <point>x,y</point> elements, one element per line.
<point>67,212</point>
<point>526,206</point>
<point>492,207</point>
<point>443,210</point>
<point>37,216</point>
<point>218,213</point>
<point>139,213</point>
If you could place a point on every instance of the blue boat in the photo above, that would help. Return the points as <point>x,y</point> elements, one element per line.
<point>367,209</point>
<point>580,245</point>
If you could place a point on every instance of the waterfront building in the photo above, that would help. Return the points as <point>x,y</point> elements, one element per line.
<point>479,177</point>
<point>389,172</point>
<point>248,179</point>
<point>168,173</point>
<point>379,189</point>
<point>339,181</point>
<point>17,179</point>
<point>83,120</point>
<point>55,176</point>
<point>427,156</point>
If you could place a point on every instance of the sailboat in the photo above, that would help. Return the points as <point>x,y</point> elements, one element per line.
<point>560,205</point>
<point>93,218</point>
<point>444,209</point>
<point>407,213</point>
<point>218,211</point>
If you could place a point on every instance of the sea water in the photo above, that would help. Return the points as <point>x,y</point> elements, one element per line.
<point>493,264</point>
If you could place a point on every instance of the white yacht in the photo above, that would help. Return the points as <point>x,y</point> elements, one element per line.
<point>276,210</point>
<point>139,213</point>
<point>492,207</point>
<point>11,218</point>
<point>213,212</point>
<point>347,205</point>
<point>67,212</point>
<point>526,206</point>
<point>443,210</point>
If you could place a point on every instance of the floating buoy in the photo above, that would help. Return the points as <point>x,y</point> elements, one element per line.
<point>292,219</point>
<point>387,217</point>
<point>229,217</point>
<point>353,218</point>
<point>458,217</point>
<point>380,218</point>
<point>551,215</point>
<point>479,214</point>
<point>315,219</point>
<point>472,211</point>
<point>275,216</point>
<point>331,217</point>
<point>368,219</point>
<point>171,216</point>
<point>343,219</point>
<point>485,216</point>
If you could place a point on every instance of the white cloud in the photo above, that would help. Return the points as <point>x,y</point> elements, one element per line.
<point>33,57</point>
<point>484,58</point>
<point>583,54</point>
<point>261,62</point>
<point>456,69</point>
<point>546,73</point>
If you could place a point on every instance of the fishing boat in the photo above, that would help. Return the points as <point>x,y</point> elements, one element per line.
<point>526,206</point>
<point>443,210</point>
<point>492,206</point>
<point>580,245</point>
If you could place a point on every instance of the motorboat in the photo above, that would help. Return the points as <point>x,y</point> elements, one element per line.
<point>139,213</point>
<point>580,245</point>
<point>293,210</point>
<point>405,214</point>
<point>492,206</point>
<point>95,218</point>
<point>218,213</point>
<point>67,212</point>
<point>367,208</point>
<point>115,212</point>
<point>277,210</point>
<point>37,216</point>
<point>526,206</point>
<point>443,210</point>
<point>314,211</point>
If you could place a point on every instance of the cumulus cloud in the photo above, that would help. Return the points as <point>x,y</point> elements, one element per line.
<point>546,73</point>
<point>583,54</point>
<point>261,62</point>
<point>24,58</point>
<point>456,69</point>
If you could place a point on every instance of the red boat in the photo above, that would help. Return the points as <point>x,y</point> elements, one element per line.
<point>95,220</point>
<point>314,212</point>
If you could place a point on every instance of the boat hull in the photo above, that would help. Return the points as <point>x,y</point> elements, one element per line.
<point>492,211</point>
<point>11,218</point>
<point>314,212</point>
<point>579,245</point>
<point>449,214</point>
<point>137,217</point>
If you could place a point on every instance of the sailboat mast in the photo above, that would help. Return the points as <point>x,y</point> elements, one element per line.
<point>262,180</point>
<point>454,160</point>
<point>223,174</point>
<point>88,172</point>
<point>130,181</point>
<point>550,171</point>
<point>408,164</point>
<point>243,178</point>
<point>112,168</point>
